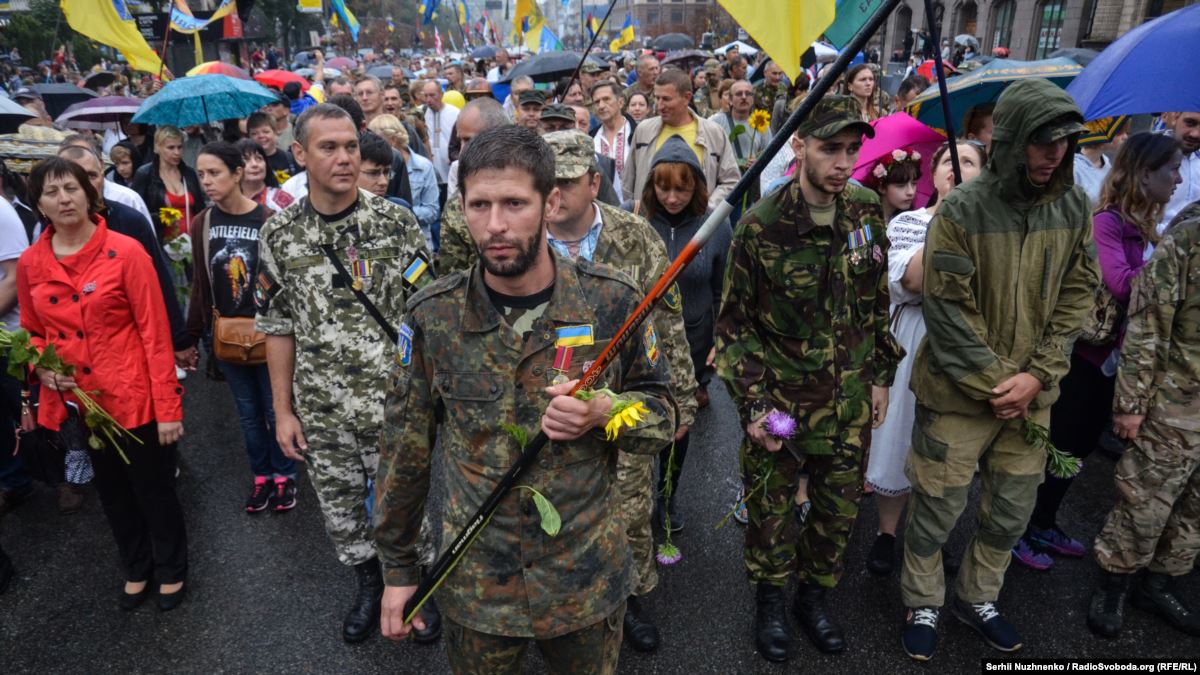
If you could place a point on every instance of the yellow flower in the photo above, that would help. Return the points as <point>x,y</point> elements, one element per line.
<point>760,120</point>
<point>281,176</point>
<point>169,216</point>
<point>624,414</point>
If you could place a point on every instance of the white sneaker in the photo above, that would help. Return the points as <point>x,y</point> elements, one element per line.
<point>180,373</point>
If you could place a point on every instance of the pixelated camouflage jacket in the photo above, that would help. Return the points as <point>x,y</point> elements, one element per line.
<point>1010,270</point>
<point>342,355</point>
<point>804,322</point>
<point>1160,358</point>
<point>765,95</point>
<point>460,362</point>
<point>628,243</point>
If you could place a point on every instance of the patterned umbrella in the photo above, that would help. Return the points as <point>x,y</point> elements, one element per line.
<point>278,78</point>
<point>202,99</point>
<point>99,113</point>
<point>219,68</point>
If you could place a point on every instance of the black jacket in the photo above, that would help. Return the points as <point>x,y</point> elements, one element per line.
<point>148,184</point>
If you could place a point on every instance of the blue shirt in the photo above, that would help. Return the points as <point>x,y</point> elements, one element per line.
<point>587,245</point>
<point>422,180</point>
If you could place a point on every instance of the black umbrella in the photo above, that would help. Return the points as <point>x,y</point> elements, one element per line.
<point>58,97</point>
<point>687,59</point>
<point>100,79</point>
<point>1077,54</point>
<point>547,66</point>
<point>484,52</point>
<point>673,41</point>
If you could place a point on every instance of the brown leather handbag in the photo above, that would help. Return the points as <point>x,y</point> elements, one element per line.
<point>234,338</point>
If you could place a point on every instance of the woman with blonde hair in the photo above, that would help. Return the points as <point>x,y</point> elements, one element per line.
<point>167,182</point>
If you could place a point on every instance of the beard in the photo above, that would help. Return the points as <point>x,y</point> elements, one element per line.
<point>817,181</point>
<point>527,252</point>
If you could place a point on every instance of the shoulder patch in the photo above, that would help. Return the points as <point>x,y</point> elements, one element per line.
<point>650,343</point>
<point>404,345</point>
<point>439,286</point>
<point>673,298</point>
<point>265,288</point>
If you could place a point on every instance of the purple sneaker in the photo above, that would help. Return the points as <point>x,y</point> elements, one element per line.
<point>1027,556</point>
<point>1057,541</point>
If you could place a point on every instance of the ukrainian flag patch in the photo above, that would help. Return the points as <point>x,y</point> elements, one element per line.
<point>415,270</point>
<point>574,336</point>
<point>650,344</point>
<point>404,345</point>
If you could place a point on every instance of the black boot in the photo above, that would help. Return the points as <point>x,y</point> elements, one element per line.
<point>433,624</point>
<point>815,620</point>
<point>1155,594</point>
<point>882,559</point>
<point>363,617</point>
<point>1107,611</point>
<point>640,631</point>
<point>770,623</point>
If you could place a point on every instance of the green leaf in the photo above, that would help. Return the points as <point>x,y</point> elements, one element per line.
<point>517,433</point>
<point>551,521</point>
<point>95,443</point>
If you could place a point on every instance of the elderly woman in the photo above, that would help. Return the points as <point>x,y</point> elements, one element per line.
<point>166,182</point>
<point>421,177</point>
<point>94,295</point>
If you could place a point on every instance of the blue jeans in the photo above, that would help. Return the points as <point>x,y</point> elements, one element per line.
<point>252,394</point>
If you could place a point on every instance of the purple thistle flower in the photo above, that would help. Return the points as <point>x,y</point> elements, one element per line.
<point>780,424</point>
<point>668,554</point>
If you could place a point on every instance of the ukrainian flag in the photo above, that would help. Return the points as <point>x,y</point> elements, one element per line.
<point>347,17</point>
<point>110,22</point>
<point>625,37</point>
<point>574,336</point>
<point>415,270</point>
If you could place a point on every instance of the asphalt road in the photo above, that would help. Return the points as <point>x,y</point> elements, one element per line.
<point>267,594</point>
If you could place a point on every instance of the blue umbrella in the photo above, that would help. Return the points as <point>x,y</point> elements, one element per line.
<point>1145,71</point>
<point>200,99</point>
<point>484,52</point>
<point>984,85</point>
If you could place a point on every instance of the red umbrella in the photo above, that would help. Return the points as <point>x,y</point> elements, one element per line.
<point>219,68</point>
<point>278,78</point>
<point>342,63</point>
<point>926,70</point>
<point>898,131</point>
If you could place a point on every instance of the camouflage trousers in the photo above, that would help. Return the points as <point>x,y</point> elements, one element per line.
<point>1156,521</point>
<point>588,651</point>
<point>340,463</point>
<point>834,489</point>
<point>635,505</point>
<point>946,450</point>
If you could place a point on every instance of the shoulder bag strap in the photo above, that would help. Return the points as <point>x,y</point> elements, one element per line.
<point>207,260</point>
<point>362,298</point>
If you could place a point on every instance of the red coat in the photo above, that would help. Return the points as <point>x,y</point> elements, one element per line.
<point>103,310</point>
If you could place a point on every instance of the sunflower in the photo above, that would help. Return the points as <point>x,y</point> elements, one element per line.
<point>281,176</point>
<point>760,120</point>
<point>624,414</point>
<point>170,218</point>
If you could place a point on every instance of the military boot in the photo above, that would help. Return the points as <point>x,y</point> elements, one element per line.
<point>640,631</point>
<point>363,617</point>
<point>814,618</point>
<point>1107,611</point>
<point>433,624</point>
<point>770,623</point>
<point>1156,594</point>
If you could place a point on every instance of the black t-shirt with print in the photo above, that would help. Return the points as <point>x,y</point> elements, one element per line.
<point>233,260</point>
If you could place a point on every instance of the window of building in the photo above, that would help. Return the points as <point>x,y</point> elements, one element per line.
<point>1050,27</point>
<point>652,17</point>
<point>677,16</point>
<point>1002,23</point>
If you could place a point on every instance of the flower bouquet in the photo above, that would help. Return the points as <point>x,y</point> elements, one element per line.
<point>22,355</point>
<point>177,244</point>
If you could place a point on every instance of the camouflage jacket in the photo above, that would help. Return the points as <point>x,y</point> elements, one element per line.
<point>341,352</point>
<point>460,362</point>
<point>702,102</point>
<point>765,95</point>
<point>804,320</point>
<point>1160,358</point>
<point>628,243</point>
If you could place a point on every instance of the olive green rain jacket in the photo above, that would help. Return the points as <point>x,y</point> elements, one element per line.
<point>1010,269</point>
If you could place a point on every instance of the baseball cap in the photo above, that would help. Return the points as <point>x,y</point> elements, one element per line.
<point>712,66</point>
<point>574,153</point>
<point>590,68</point>
<point>531,96</point>
<point>1058,128</point>
<point>559,111</point>
<point>832,115</point>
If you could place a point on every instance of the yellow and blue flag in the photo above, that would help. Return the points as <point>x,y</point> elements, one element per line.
<point>110,22</point>
<point>785,29</point>
<point>418,266</point>
<point>625,37</point>
<point>348,18</point>
<point>429,10</point>
<point>574,336</point>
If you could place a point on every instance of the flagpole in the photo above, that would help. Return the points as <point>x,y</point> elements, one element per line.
<point>162,59</point>
<point>945,94</point>
<point>457,549</point>
<point>599,29</point>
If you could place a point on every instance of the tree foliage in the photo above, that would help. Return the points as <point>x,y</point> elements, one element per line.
<point>40,31</point>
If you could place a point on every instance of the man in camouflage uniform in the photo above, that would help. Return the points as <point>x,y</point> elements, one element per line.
<point>493,346</point>
<point>584,228</point>
<point>803,329</point>
<point>1156,522</point>
<point>1010,273</point>
<point>770,89</point>
<point>325,353</point>
<point>706,100</point>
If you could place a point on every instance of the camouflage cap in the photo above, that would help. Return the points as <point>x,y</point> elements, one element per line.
<point>1058,128</point>
<point>558,111</point>
<point>832,115</point>
<point>591,68</point>
<point>531,96</point>
<point>574,153</point>
<point>712,66</point>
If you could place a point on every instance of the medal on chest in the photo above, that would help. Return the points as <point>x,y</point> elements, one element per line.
<point>360,270</point>
<point>859,242</point>
<point>562,363</point>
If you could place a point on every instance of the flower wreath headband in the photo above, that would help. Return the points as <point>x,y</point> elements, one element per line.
<point>885,164</point>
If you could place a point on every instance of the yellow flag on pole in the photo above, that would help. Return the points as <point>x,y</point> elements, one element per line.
<point>110,22</point>
<point>785,29</point>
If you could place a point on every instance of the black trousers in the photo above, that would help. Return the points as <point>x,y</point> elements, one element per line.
<point>142,508</point>
<point>1076,421</point>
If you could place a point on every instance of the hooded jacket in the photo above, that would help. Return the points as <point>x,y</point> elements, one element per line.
<point>1010,268</point>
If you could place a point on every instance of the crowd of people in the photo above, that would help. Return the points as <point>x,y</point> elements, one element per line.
<point>378,267</point>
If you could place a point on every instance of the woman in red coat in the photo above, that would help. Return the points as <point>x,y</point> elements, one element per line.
<point>93,294</point>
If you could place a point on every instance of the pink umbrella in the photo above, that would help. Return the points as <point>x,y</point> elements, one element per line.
<point>898,131</point>
<point>342,63</point>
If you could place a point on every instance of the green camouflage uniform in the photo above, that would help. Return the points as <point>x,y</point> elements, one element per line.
<point>765,95</point>
<point>342,355</point>
<point>1156,522</point>
<point>804,328</point>
<point>461,362</point>
<point>702,102</point>
<point>1010,273</point>
<point>457,251</point>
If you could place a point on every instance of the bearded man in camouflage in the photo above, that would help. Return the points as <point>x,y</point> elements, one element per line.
<point>503,343</point>
<point>326,354</point>
<point>803,330</point>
